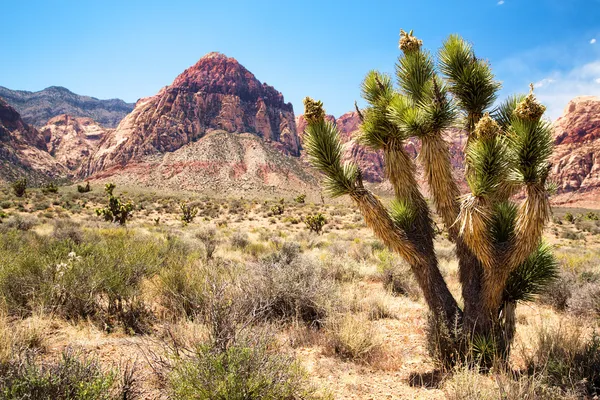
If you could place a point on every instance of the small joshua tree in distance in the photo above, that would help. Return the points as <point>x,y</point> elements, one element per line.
<point>116,210</point>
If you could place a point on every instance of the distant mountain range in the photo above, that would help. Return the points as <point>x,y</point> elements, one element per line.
<point>36,108</point>
<point>216,128</point>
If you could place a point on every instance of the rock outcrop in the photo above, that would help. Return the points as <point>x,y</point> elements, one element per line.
<point>217,93</point>
<point>222,163</point>
<point>23,151</point>
<point>36,108</point>
<point>576,157</point>
<point>71,140</point>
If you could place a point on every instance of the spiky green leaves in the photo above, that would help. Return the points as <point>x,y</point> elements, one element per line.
<point>530,144</point>
<point>403,213</point>
<point>486,158</point>
<point>505,112</point>
<point>377,130</point>
<point>415,72</point>
<point>532,276</point>
<point>324,150</point>
<point>503,222</point>
<point>313,110</point>
<point>470,80</point>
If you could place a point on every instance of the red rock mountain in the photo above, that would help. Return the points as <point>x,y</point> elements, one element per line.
<point>23,151</point>
<point>217,93</point>
<point>576,157</point>
<point>72,140</point>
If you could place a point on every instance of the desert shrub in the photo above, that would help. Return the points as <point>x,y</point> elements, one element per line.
<point>568,359</point>
<point>188,212</point>
<point>240,240</point>
<point>277,209</point>
<point>20,223</point>
<point>99,279</point>
<point>353,337</point>
<point>243,371</point>
<point>208,238</point>
<point>72,377</point>
<point>591,216</point>
<point>569,217</point>
<point>396,275</point>
<point>560,291</point>
<point>585,300</point>
<point>291,286</point>
<point>84,189</point>
<point>50,187</point>
<point>300,199</point>
<point>471,384</point>
<point>19,187</point>
<point>116,210</point>
<point>6,204</point>
<point>181,284</point>
<point>315,222</point>
<point>68,230</point>
<point>341,269</point>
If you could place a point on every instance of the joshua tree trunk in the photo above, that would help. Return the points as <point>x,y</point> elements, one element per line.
<point>498,245</point>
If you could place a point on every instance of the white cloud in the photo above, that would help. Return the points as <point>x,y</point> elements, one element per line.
<point>558,88</point>
<point>501,2</point>
<point>544,82</point>
<point>593,41</point>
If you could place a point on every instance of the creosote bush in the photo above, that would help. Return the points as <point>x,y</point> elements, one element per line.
<point>99,278</point>
<point>73,376</point>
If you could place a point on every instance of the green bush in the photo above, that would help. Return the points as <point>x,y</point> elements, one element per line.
<point>73,377</point>
<point>277,209</point>
<point>300,199</point>
<point>51,187</point>
<point>244,371</point>
<point>567,359</point>
<point>315,222</point>
<point>99,279</point>
<point>84,189</point>
<point>19,187</point>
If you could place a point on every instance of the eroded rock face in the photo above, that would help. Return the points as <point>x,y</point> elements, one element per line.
<point>576,157</point>
<point>217,93</point>
<point>71,140</point>
<point>23,151</point>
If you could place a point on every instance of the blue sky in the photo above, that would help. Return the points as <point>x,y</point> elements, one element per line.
<point>130,49</point>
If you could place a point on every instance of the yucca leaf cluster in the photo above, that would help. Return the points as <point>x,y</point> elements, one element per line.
<point>497,231</point>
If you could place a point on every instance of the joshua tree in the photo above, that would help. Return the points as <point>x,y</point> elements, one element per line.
<point>116,210</point>
<point>19,187</point>
<point>502,259</point>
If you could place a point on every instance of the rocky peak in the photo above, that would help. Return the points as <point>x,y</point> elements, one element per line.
<point>71,140</point>
<point>23,151</point>
<point>576,156</point>
<point>217,93</point>
<point>580,121</point>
